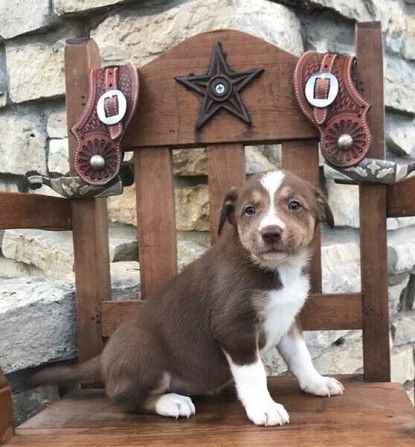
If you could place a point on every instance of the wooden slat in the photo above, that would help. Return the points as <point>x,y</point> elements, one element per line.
<point>373,247</point>
<point>34,211</point>
<point>6,410</point>
<point>401,198</point>
<point>332,312</point>
<point>226,168</point>
<point>113,312</point>
<point>156,221</point>
<point>321,312</point>
<point>89,216</point>
<point>301,158</point>
<point>269,99</point>
<point>368,414</point>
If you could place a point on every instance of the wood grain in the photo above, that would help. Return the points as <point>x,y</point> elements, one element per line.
<point>269,100</point>
<point>226,168</point>
<point>321,312</point>
<point>401,198</point>
<point>368,414</point>
<point>89,216</point>
<point>156,223</point>
<point>34,211</point>
<point>373,247</point>
<point>301,158</point>
<point>6,410</point>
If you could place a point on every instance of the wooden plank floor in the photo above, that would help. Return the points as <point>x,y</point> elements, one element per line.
<point>369,415</point>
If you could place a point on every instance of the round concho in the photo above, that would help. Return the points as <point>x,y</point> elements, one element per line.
<point>98,160</point>
<point>345,141</point>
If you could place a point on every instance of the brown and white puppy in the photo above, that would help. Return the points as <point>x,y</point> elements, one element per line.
<point>214,321</point>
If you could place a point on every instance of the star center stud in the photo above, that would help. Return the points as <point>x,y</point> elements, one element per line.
<point>220,88</point>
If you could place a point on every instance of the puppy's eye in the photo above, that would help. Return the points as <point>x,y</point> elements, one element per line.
<point>294,205</point>
<point>250,210</point>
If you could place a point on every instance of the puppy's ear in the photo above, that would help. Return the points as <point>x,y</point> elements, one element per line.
<point>324,213</point>
<point>228,209</point>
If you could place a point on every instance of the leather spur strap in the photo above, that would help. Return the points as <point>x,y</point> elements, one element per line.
<point>112,100</point>
<point>326,92</point>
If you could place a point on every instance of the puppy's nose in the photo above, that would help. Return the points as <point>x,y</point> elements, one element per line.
<point>271,233</point>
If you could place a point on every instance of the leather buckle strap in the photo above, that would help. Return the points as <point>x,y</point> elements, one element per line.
<point>112,101</point>
<point>327,96</point>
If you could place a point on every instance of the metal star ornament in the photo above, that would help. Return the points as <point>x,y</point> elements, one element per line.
<point>220,88</point>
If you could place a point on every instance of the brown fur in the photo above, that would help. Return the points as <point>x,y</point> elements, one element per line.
<point>213,305</point>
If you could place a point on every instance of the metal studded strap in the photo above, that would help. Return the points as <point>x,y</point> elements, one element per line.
<point>112,101</point>
<point>326,94</point>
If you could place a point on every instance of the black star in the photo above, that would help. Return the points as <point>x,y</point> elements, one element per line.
<point>220,87</point>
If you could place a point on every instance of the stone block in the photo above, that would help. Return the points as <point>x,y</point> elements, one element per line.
<point>58,161</point>
<point>56,125</point>
<point>400,250</point>
<point>128,36</point>
<point>125,280</point>
<point>401,139</point>
<point>344,203</point>
<point>190,162</point>
<point>399,84</point>
<point>188,251</point>
<point>402,364</point>
<point>62,7</point>
<point>122,208</point>
<point>22,143</point>
<point>37,320</point>
<point>192,208</point>
<point>403,329</point>
<point>20,19</point>
<point>14,269</point>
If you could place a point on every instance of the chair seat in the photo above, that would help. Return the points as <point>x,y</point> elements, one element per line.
<point>369,414</point>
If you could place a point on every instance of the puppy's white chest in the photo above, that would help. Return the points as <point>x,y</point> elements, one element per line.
<point>283,306</point>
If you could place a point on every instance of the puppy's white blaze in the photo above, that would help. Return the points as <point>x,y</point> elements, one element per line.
<point>272,181</point>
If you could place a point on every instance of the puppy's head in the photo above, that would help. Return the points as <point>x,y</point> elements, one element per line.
<point>275,215</point>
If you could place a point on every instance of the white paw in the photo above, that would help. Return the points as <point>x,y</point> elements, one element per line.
<point>175,406</point>
<point>269,413</point>
<point>324,386</point>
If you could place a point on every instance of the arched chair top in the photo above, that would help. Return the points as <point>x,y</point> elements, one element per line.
<point>168,112</point>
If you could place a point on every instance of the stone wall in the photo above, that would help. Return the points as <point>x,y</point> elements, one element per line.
<point>36,289</point>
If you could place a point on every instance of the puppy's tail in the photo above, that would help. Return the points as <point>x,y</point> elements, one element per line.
<point>87,372</point>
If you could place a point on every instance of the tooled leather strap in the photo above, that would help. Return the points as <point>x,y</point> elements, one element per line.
<point>112,101</point>
<point>326,94</point>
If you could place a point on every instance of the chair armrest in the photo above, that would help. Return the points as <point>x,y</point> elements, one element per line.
<point>6,410</point>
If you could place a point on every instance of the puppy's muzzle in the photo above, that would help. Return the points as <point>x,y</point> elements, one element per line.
<point>271,234</point>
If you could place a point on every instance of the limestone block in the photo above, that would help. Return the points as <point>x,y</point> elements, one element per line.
<point>56,125</point>
<point>262,158</point>
<point>401,139</point>
<point>192,208</point>
<point>125,280</point>
<point>188,251</point>
<point>128,36</point>
<point>343,357</point>
<point>62,7</point>
<point>37,320</point>
<point>399,84</point>
<point>395,293</point>
<point>402,364</point>
<point>36,69</point>
<point>344,203</point>
<point>190,162</point>
<point>409,43</point>
<point>401,251</point>
<point>341,267</point>
<point>58,156</point>
<point>22,143</point>
<point>14,269</point>
<point>8,187</point>
<point>52,252</point>
<point>403,329</point>
<point>122,208</point>
<point>359,10</point>
<point>19,19</point>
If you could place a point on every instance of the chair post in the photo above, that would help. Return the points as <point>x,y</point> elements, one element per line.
<point>373,245</point>
<point>89,216</point>
<point>6,410</point>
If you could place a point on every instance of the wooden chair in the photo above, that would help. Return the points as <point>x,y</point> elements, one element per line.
<point>372,412</point>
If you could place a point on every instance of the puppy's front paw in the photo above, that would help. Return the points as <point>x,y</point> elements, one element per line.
<point>175,405</point>
<point>268,413</point>
<point>324,386</point>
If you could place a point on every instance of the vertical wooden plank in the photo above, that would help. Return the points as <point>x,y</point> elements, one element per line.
<point>89,216</point>
<point>301,158</point>
<point>155,217</point>
<point>6,410</point>
<point>226,168</point>
<point>373,245</point>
